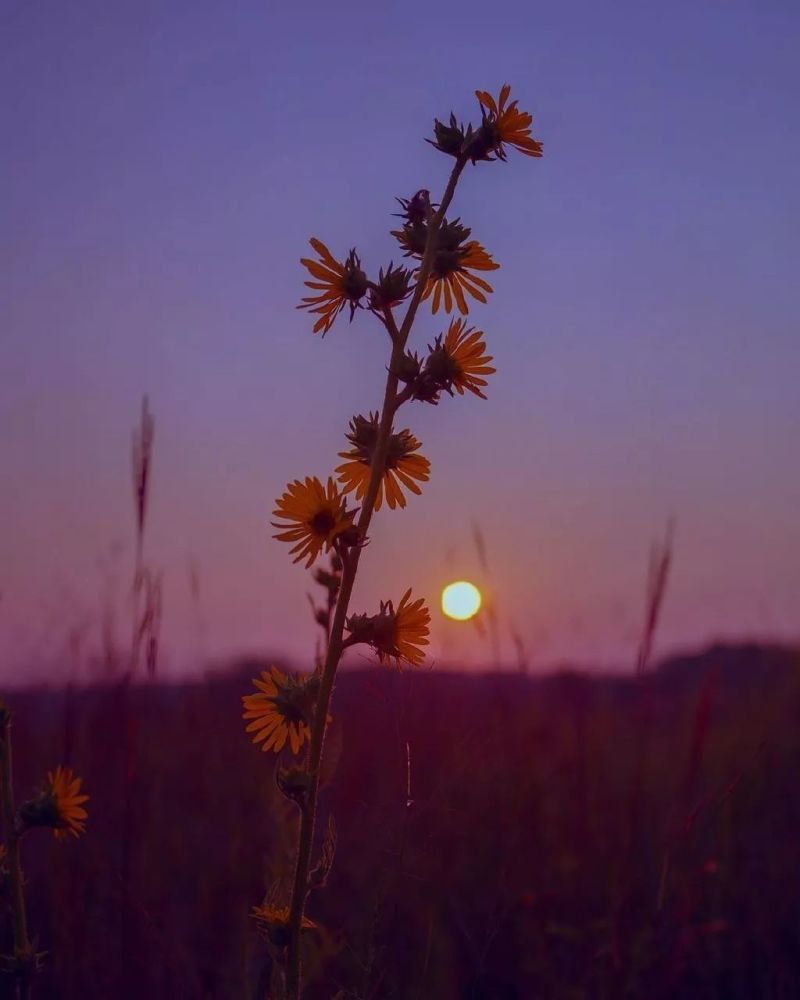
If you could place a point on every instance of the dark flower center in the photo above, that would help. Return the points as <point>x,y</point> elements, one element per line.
<point>355,284</point>
<point>322,523</point>
<point>442,367</point>
<point>447,262</point>
<point>398,449</point>
<point>294,704</point>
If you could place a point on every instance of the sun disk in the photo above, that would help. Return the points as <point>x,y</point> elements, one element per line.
<point>461,600</point>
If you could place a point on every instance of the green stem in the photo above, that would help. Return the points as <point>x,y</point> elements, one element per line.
<point>22,945</point>
<point>335,644</point>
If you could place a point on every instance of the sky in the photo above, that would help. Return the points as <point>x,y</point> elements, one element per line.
<point>163,166</point>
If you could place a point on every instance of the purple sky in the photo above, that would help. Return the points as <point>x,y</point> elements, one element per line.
<point>162,166</point>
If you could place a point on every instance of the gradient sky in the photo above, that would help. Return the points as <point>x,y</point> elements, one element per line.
<point>162,166</point>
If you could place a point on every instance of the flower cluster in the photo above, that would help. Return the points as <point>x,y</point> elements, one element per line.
<point>456,361</point>
<point>453,260</point>
<point>502,124</point>
<point>382,461</point>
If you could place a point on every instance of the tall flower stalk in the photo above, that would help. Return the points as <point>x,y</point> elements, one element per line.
<point>382,461</point>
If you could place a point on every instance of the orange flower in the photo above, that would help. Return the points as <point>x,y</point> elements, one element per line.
<point>64,788</point>
<point>395,635</point>
<point>453,260</point>
<point>460,361</point>
<point>503,124</point>
<point>281,710</point>
<point>338,284</point>
<point>273,920</point>
<point>450,277</point>
<point>316,516</point>
<point>403,467</point>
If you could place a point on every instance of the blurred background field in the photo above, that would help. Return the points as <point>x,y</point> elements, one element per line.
<point>500,836</point>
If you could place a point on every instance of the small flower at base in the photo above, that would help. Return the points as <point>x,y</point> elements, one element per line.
<point>59,805</point>
<point>273,921</point>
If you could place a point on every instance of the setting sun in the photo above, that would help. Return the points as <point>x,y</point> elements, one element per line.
<point>461,600</point>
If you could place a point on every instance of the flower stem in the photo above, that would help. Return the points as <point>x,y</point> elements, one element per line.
<point>335,643</point>
<point>22,947</point>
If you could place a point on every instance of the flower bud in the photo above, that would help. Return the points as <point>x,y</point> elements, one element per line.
<point>451,138</point>
<point>41,811</point>
<point>393,286</point>
<point>351,537</point>
<point>355,282</point>
<point>416,209</point>
<point>408,368</point>
<point>328,580</point>
<point>412,238</point>
<point>293,783</point>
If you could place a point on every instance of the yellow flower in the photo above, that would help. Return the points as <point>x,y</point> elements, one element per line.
<point>281,710</point>
<point>338,284</point>
<point>394,635</point>
<point>460,361</point>
<point>403,467</point>
<point>65,788</point>
<point>314,515</point>
<point>450,277</point>
<point>274,922</point>
<point>453,261</point>
<point>503,124</point>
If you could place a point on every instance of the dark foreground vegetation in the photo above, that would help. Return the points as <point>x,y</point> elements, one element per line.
<point>498,837</point>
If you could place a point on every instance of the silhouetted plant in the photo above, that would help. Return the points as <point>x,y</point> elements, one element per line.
<point>381,462</point>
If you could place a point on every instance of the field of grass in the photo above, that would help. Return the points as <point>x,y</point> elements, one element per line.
<point>498,837</point>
